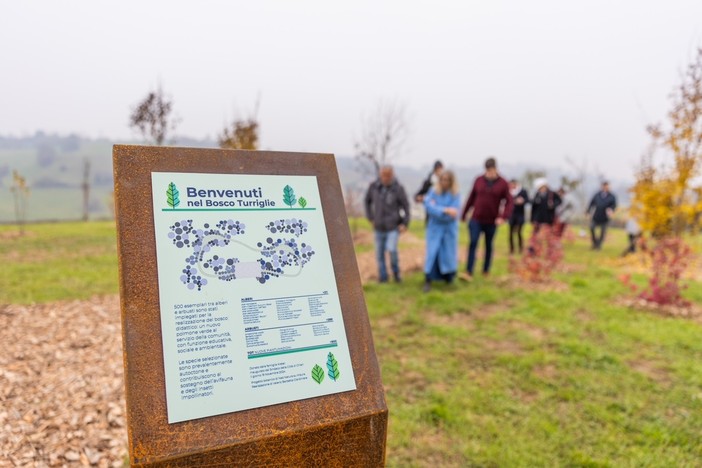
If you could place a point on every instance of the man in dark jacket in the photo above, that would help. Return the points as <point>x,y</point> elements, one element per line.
<point>602,207</point>
<point>387,208</point>
<point>491,202</point>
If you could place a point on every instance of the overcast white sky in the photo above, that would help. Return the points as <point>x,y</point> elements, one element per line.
<point>526,81</point>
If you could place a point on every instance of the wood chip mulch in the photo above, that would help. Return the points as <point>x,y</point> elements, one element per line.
<point>61,385</point>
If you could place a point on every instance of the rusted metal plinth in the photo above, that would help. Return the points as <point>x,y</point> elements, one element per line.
<point>344,429</point>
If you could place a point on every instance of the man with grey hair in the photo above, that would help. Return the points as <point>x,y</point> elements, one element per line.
<point>387,208</point>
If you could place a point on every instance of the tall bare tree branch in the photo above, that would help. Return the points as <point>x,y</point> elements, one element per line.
<point>384,133</point>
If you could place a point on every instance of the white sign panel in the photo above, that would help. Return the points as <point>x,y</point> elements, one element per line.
<point>250,313</point>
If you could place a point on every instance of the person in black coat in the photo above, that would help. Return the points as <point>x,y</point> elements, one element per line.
<point>431,181</point>
<point>543,205</point>
<point>601,207</point>
<point>518,217</point>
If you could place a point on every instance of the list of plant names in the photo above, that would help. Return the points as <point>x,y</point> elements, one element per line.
<point>250,312</point>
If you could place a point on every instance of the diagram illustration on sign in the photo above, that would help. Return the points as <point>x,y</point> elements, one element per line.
<point>277,256</point>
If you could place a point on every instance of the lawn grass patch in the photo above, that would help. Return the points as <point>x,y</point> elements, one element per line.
<point>482,374</point>
<point>56,261</point>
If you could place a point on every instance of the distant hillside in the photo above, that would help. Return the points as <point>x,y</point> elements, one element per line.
<point>54,167</point>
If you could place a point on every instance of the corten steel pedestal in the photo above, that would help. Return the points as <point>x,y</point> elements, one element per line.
<point>343,429</point>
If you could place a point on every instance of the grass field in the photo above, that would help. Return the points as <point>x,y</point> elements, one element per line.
<point>492,375</point>
<point>57,261</point>
<point>488,374</point>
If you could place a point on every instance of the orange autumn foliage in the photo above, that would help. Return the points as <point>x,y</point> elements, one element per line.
<point>667,196</point>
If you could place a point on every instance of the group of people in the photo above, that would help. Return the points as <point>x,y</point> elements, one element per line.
<point>491,202</point>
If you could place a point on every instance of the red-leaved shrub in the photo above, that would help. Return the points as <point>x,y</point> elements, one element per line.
<point>544,253</point>
<point>670,257</point>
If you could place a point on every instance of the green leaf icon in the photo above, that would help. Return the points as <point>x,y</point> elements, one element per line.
<point>302,202</point>
<point>172,195</point>
<point>289,196</point>
<point>332,367</point>
<point>317,374</point>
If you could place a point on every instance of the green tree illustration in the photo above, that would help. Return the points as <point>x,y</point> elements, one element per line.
<point>332,367</point>
<point>302,202</point>
<point>289,196</point>
<point>172,195</point>
<point>317,374</point>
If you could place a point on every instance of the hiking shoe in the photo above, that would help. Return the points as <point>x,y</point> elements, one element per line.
<point>465,276</point>
<point>426,288</point>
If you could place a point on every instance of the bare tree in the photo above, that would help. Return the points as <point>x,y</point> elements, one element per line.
<point>152,117</point>
<point>353,202</point>
<point>86,188</point>
<point>111,204</point>
<point>384,133</point>
<point>579,180</point>
<point>241,133</point>
<point>20,193</point>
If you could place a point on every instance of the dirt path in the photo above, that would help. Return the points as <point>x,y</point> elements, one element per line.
<point>411,252</point>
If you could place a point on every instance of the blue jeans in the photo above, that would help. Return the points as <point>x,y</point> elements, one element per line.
<point>387,241</point>
<point>475,229</point>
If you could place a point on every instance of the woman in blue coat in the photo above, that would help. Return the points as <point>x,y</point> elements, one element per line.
<point>442,204</point>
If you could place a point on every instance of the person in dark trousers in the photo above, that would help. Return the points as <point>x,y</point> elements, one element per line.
<point>431,181</point>
<point>387,208</point>
<point>601,208</point>
<point>492,204</point>
<point>543,205</point>
<point>516,221</point>
<point>633,231</point>
<point>442,204</point>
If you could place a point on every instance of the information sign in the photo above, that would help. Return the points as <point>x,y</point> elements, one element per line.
<point>250,313</point>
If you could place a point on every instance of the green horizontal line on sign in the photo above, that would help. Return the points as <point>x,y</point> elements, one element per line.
<point>290,351</point>
<point>238,209</point>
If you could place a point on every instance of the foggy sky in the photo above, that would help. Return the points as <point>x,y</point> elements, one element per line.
<point>524,81</point>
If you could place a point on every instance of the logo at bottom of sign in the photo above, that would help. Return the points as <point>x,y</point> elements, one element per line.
<point>318,373</point>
